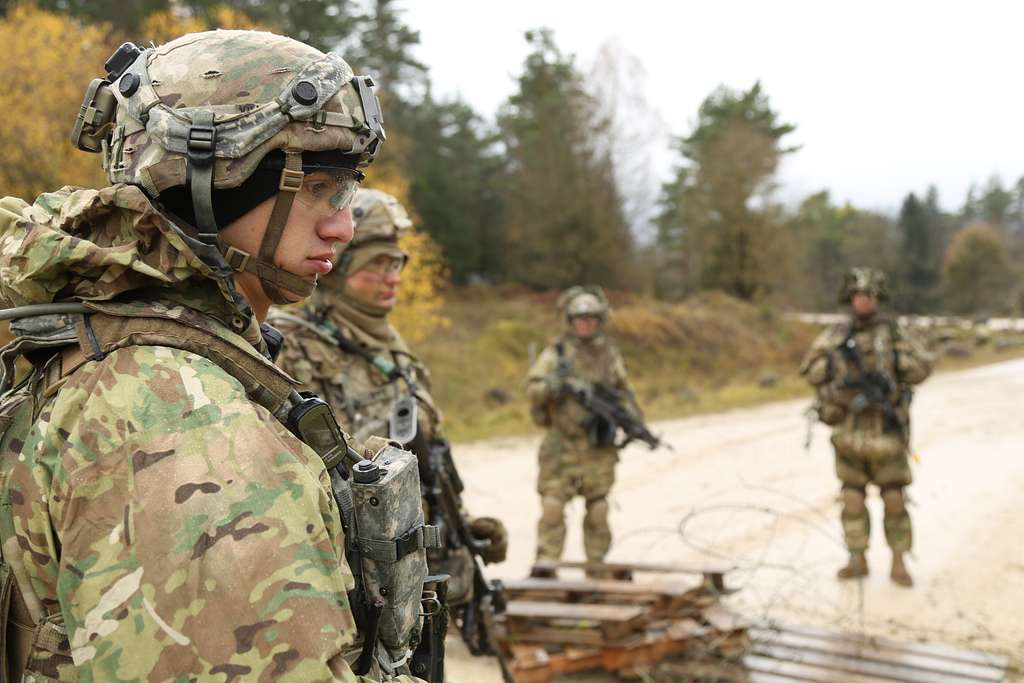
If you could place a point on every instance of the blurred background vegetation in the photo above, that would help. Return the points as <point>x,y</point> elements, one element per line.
<point>539,193</point>
<point>512,205</point>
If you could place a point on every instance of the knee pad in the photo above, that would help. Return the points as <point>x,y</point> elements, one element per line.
<point>853,500</point>
<point>894,500</point>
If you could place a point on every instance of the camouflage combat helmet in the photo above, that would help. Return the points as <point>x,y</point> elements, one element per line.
<point>866,280</point>
<point>584,300</point>
<point>204,111</point>
<point>380,221</point>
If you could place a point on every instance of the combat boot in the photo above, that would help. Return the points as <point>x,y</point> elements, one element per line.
<point>856,568</point>
<point>899,573</point>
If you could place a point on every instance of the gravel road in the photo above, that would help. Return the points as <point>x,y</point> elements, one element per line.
<point>741,490</point>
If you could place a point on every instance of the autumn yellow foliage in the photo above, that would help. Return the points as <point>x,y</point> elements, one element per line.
<point>161,27</point>
<point>425,278</point>
<point>49,60</point>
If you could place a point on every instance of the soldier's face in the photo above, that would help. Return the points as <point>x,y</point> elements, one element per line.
<point>585,326</point>
<point>377,282</point>
<point>864,304</point>
<point>308,244</point>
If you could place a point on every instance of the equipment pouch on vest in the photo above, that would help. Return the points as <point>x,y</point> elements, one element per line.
<point>402,421</point>
<point>387,542</point>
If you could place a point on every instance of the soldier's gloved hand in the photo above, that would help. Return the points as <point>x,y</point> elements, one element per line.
<point>491,529</point>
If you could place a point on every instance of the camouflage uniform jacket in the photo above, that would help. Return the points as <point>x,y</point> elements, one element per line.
<point>885,349</point>
<point>596,360</point>
<point>362,397</point>
<point>360,394</point>
<point>161,525</point>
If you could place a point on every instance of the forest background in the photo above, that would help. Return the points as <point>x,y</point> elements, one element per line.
<point>545,192</point>
<point>539,193</point>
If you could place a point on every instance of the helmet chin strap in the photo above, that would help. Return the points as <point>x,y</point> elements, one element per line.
<point>276,281</point>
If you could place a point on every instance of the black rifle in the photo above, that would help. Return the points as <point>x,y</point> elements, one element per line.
<point>607,411</point>
<point>442,488</point>
<point>428,659</point>
<point>443,492</point>
<point>874,387</point>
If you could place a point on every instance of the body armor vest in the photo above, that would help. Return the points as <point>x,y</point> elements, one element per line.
<point>386,539</point>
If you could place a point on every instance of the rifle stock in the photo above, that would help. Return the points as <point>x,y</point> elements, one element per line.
<point>443,493</point>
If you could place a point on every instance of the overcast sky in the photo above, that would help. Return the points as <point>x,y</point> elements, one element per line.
<point>887,96</point>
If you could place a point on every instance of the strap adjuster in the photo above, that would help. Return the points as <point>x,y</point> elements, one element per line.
<point>236,258</point>
<point>291,181</point>
<point>200,144</point>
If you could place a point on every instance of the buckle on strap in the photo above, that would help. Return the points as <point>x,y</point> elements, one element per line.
<point>236,258</point>
<point>291,181</point>
<point>423,536</point>
<point>201,143</point>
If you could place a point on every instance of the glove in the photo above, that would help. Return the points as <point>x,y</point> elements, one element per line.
<point>490,529</point>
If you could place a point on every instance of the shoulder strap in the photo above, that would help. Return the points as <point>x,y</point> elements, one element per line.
<point>102,333</point>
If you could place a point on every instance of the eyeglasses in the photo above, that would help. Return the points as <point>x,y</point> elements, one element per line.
<point>328,191</point>
<point>385,265</point>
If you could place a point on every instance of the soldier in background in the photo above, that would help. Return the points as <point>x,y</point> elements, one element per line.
<point>578,455</point>
<point>862,371</point>
<point>344,348</point>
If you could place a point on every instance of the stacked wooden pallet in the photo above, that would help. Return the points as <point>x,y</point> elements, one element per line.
<point>677,631</point>
<point>554,626</point>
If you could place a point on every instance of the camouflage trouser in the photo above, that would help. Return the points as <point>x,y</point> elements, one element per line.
<point>569,469</point>
<point>864,458</point>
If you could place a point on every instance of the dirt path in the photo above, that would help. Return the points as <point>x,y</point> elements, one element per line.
<point>740,489</point>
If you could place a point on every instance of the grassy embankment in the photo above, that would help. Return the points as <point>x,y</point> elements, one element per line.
<point>706,354</point>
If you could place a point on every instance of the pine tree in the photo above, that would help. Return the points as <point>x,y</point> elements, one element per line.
<point>728,167</point>
<point>562,219</point>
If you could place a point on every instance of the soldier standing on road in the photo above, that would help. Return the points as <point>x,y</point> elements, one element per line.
<point>577,457</point>
<point>862,371</point>
<point>343,347</point>
<point>162,518</point>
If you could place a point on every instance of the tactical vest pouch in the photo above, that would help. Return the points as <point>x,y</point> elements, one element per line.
<point>50,651</point>
<point>390,539</point>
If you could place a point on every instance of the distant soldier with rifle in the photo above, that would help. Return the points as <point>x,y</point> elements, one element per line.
<point>862,371</point>
<point>344,348</point>
<point>578,390</point>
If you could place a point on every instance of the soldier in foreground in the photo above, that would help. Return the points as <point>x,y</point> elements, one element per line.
<point>578,454</point>
<point>863,371</point>
<point>164,517</point>
<point>343,347</point>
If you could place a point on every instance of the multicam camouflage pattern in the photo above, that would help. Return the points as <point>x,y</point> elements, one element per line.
<point>246,78</point>
<point>569,465</point>
<point>385,510</point>
<point>160,524</point>
<point>362,398</point>
<point>360,394</point>
<point>867,280</point>
<point>584,300</point>
<point>865,451</point>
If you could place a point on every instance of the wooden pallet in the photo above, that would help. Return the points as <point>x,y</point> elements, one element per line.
<point>556,626</point>
<point>714,577</point>
<point>662,599</point>
<point>810,654</point>
<point>681,632</point>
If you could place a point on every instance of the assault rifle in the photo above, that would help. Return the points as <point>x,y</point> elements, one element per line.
<point>443,492</point>
<point>874,388</point>
<point>608,414</point>
<point>607,411</point>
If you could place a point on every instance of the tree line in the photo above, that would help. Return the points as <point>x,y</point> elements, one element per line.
<point>538,193</point>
